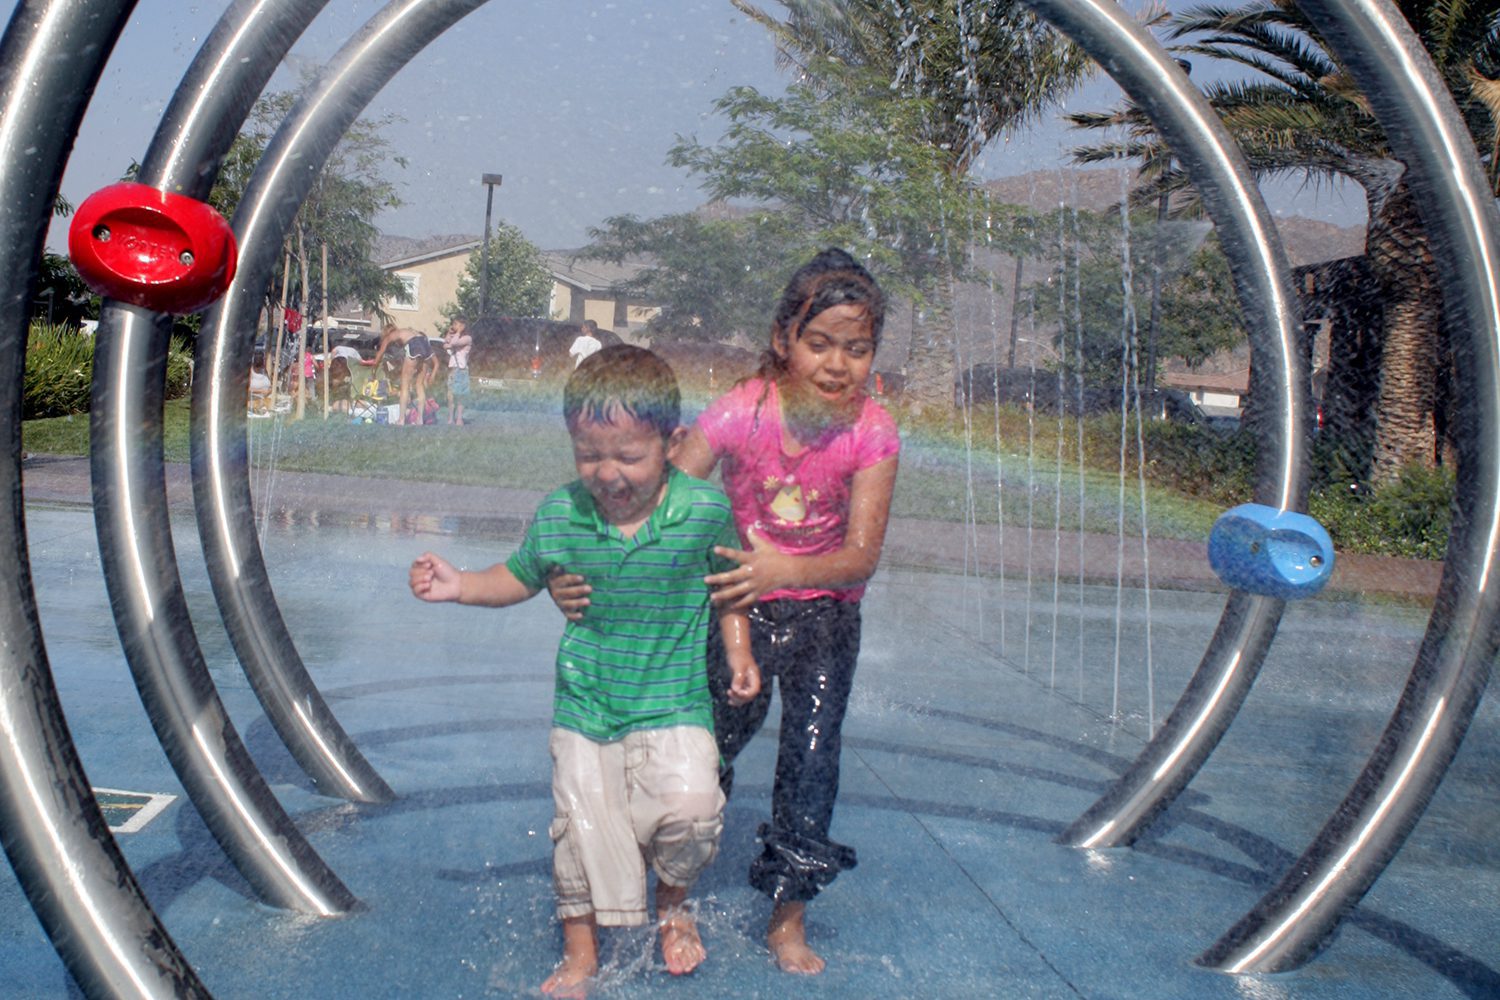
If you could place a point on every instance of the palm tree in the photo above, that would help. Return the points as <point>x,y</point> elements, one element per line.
<point>1303,115</point>
<point>977,67</point>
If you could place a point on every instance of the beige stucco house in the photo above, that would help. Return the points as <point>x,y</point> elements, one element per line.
<point>587,289</point>
<point>431,283</point>
<point>581,290</point>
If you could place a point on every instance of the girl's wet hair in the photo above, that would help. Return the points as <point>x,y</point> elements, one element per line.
<point>832,278</point>
<point>630,378</point>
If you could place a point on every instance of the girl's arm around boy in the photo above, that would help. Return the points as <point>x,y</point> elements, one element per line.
<point>764,569</point>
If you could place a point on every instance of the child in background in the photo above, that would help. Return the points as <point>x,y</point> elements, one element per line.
<point>260,388</point>
<point>310,374</point>
<point>415,350</point>
<point>635,768</point>
<point>338,384</point>
<point>809,463</point>
<point>457,342</point>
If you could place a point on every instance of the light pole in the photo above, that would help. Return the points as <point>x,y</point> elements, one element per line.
<point>490,182</point>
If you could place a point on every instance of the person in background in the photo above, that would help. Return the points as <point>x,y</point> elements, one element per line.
<point>416,349</point>
<point>586,343</point>
<point>427,378</point>
<point>339,381</point>
<point>457,342</point>
<point>310,374</point>
<point>260,388</point>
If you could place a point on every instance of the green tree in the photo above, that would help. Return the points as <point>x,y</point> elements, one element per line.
<point>980,67</point>
<point>1301,114</point>
<point>1091,313</point>
<point>339,211</point>
<point>841,168</point>
<point>61,296</point>
<point>520,283</point>
<point>962,72</point>
<point>714,278</point>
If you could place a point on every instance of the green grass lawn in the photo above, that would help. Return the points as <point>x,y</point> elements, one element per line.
<point>516,439</point>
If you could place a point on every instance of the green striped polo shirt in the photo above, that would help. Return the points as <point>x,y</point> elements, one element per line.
<point>637,658</point>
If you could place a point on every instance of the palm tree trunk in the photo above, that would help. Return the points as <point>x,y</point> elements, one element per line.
<point>931,368</point>
<point>1402,265</point>
<point>1354,354</point>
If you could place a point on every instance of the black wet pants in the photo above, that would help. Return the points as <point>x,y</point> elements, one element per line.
<point>810,648</point>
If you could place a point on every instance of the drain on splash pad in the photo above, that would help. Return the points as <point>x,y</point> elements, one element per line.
<point>129,812</point>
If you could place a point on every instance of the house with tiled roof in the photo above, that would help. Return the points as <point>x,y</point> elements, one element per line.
<point>1216,392</point>
<point>430,271</point>
<point>591,289</point>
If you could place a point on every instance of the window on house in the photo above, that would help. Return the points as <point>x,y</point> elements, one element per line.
<point>407,298</point>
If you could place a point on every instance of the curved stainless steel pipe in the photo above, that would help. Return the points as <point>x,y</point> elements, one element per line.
<point>58,842</point>
<point>1292,921</point>
<point>221,488</point>
<point>214,98</point>
<point>1234,656</point>
<point>129,490</point>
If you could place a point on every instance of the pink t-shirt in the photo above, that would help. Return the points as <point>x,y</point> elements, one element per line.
<point>799,503</point>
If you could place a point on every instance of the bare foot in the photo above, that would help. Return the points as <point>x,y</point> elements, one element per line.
<point>580,961</point>
<point>787,939</point>
<point>681,947</point>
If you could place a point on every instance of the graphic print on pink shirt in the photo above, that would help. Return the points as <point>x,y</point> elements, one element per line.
<point>799,503</point>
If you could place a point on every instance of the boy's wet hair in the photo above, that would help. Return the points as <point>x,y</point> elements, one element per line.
<point>832,278</point>
<point>632,378</point>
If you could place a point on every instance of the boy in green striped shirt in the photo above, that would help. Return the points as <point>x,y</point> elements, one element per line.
<point>634,765</point>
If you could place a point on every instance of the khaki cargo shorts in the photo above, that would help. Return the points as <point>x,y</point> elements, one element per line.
<point>650,798</point>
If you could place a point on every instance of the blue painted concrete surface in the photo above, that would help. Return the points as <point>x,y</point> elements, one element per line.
<point>987,715</point>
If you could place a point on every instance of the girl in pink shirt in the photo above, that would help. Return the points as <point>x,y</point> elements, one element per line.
<point>809,464</point>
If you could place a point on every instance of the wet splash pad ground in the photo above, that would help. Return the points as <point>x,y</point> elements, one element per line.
<point>962,763</point>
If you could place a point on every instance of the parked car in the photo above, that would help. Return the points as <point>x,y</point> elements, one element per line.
<point>526,347</point>
<point>1226,423</point>
<point>1034,387</point>
<point>1174,405</point>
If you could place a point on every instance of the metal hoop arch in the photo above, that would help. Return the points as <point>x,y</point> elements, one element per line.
<point>130,502</point>
<point>1223,678</point>
<point>1295,919</point>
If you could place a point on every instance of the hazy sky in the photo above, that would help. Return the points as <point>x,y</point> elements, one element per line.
<point>575,102</point>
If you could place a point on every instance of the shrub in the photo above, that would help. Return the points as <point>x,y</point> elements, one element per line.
<point>1410,517</point>
<point>179,369</point>
<point>1192,460</point>
<point>60,369</point>
<point>1201,462</point>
